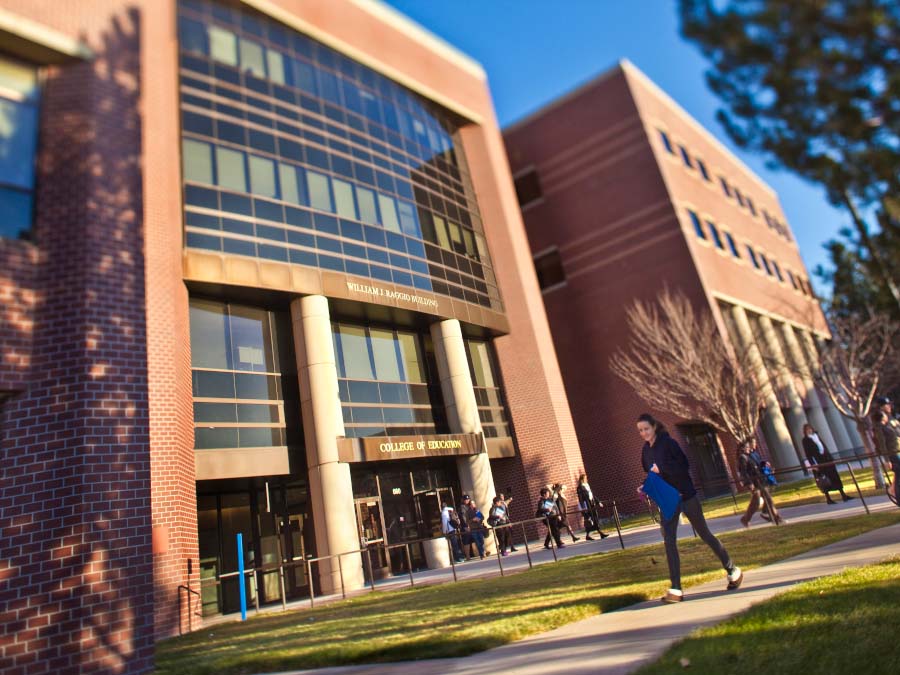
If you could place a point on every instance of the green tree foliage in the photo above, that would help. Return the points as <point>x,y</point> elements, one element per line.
<point>814,84</point>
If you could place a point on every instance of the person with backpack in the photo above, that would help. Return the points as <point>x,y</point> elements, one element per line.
<point>751,477</point>
<point>451,526</point>
<point>548,510</point>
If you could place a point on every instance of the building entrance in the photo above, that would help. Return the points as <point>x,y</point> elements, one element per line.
<point>408,496</point>
<point>273,518</point>
<point>702,447</point>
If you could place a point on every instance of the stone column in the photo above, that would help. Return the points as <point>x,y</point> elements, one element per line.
<point>778,438</point>
<point>475,476</point>
<point>836,421</point>
<point>795,415</point>
<point>330,490</point>
<point>814,412</point>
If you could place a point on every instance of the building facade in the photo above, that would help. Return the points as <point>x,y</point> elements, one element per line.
<point>623,194</point>
<point>263,273</point>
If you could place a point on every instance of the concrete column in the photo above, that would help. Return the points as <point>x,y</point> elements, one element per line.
<point>330,490</point>
<point>836,421</point>
<point>795,415</point>
<point>475,476</point>
<point>814,412</point>
<point>778,438</point>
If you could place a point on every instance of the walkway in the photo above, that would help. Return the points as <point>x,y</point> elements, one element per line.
<point>621,641</point>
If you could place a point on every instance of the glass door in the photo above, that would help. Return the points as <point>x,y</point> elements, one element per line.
<point>371,535</point>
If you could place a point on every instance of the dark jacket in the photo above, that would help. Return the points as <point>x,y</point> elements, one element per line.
<point>672,463</point>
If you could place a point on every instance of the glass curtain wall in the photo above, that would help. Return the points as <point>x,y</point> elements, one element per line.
<point>388,382</point>
<point>244,378</point>
<point>19,96</point>
<point>488,390</point>
<point>293,152</point>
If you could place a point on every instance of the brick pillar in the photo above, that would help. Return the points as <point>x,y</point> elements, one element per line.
<point>330,489</point>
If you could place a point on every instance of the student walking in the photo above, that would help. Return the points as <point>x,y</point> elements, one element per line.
<point>827,477</point>
<point>752,477</point>
<point>547,509</point>
<point>562,505</point>
<point>588,504</point>
<point>662,455</point>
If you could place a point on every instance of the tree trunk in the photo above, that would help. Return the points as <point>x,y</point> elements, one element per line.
<point>863,430</point>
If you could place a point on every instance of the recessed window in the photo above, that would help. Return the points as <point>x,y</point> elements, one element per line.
<point>732,245</point>
<point>685,157</point>
<point>703,172</point>
<point>667,144</point>
<point>777,271</point>
<point>725,187</point>
<point>18,142</point>
<point>752,255</point>
<point>549,268</point>
<point>698,226</point>
<point>528,188</point>
<point>715,235</point>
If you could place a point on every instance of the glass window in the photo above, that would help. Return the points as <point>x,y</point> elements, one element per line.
<point>262,176</point>
<point>355,353</point>
<point>481,364</point>
<point>223,46</point>
<point>252,60</point>
<point>343,199</point>
<point>387,368</point>
<point>388,213</point>
<point>230,169</point>
<point>210,340</point>
<point>698,226</point>
<point>275,61</point>
<point>412,359</point>
<point>288,178</point>
<point>319,193</point>
<point>366,200</point>
<point>197,159</point>
<point>251,340</point>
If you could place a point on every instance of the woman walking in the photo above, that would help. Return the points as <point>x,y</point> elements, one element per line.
<point>588,504</point>
<point>563,505</point>
<point>662,455</point>
<point>827,477</point>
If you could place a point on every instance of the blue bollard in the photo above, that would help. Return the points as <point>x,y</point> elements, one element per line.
<point>241,581</point>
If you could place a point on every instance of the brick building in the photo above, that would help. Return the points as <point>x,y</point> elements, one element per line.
<point>623,193</point>
<point>262,271</point>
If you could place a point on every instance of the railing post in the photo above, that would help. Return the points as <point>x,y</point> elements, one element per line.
<point>618,524</point>
<point>409,565</point>
<point>527,550</point>
<point>497,549</point>
<point>309,581</point>
<point>858,491</point>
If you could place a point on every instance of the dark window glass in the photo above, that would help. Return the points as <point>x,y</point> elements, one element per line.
<point>549,268</point>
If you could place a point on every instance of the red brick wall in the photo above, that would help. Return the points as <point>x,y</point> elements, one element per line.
<point>607,210</point>
<point>75,493</point>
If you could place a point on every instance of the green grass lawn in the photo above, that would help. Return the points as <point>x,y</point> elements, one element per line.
<point>845,623</point>
<point>455,619</point>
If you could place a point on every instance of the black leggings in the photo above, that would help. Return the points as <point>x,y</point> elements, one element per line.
<point>691,509</point>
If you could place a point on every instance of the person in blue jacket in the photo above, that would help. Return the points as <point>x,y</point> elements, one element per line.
<point>662,455</point>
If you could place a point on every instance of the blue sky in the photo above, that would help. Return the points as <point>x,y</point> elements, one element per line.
<point>536,50</point>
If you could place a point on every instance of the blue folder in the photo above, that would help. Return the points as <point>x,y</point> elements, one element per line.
<point>667,498</point>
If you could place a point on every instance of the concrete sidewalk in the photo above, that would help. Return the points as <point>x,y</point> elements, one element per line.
<point>621,641</point>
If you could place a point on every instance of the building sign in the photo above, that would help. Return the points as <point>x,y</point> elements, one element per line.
<point>378,448</point>
<point>378,292</point>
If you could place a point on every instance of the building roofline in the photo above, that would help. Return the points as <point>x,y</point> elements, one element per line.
<point>401,23</point>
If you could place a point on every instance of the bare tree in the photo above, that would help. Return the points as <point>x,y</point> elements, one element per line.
<point>851,369</point>
<point>677,361</point>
